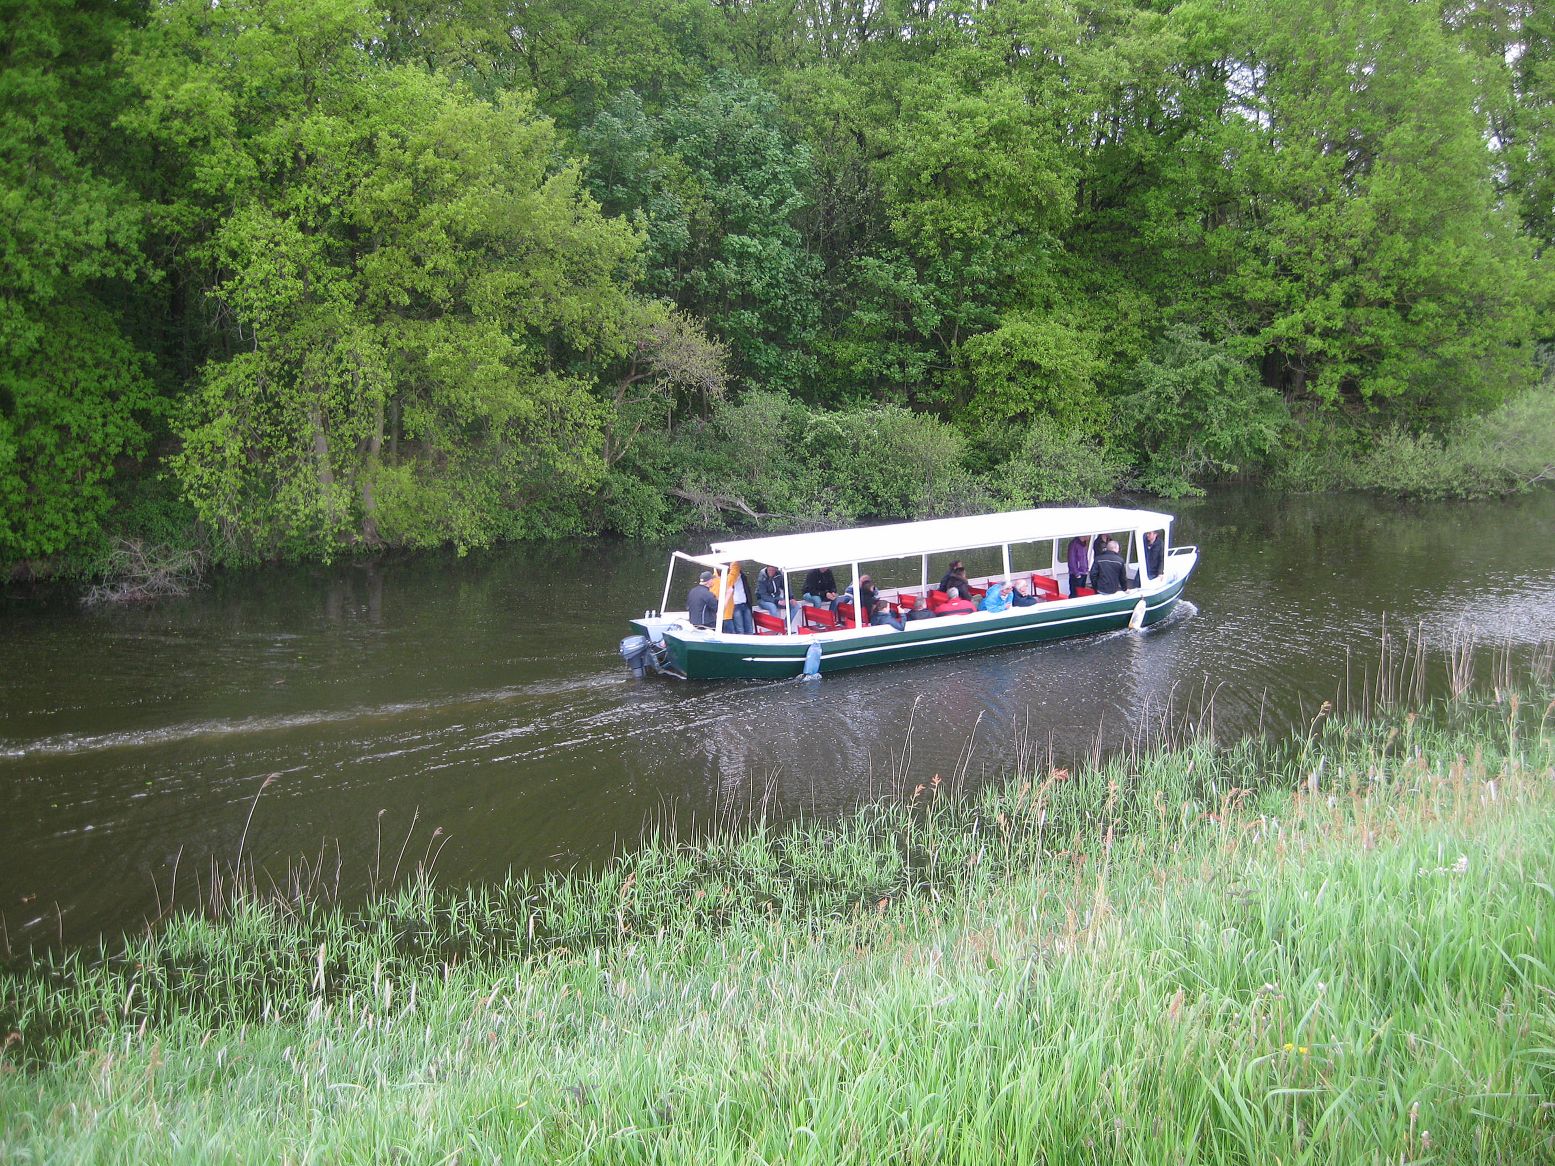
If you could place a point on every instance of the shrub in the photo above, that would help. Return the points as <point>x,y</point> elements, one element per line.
<point>1197,410</point>
<point>1500,453</point>
<point>1057,464</point>
<point>893,463</point>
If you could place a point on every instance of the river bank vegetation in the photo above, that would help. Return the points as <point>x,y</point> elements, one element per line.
<point>1331,945</point>
<point>295,278</point>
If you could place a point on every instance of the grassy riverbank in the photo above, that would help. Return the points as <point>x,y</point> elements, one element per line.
<point>1336,947</point>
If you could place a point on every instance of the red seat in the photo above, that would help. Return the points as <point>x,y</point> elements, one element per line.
<point>845,614</point>
<point>936,597</point>
<point>1084,591</point>
<point>819,618</point>
<point>1045,583</point>
<point>768,624</point>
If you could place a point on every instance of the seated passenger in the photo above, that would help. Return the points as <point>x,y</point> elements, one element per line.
<point>883,617</point>
<point>772,596</point>
<point>1020,598</point>
<point>867,592</point>
<point>820,587</point>
<point>955,605</point>
<point>912,608</point>
<point>994,599</point>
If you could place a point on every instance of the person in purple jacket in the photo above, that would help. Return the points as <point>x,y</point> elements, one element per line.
<point>1079,562</point>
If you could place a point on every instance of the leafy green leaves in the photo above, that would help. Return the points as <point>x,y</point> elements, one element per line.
<point>410,278</point>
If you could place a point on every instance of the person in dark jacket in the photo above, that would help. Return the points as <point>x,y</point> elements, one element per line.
<point>883,617</point>
<point>1020,597</point>
<point>772,595</point>
<point>955,576</point>
<point>820,587</point>
<point>1155,555</point>
<point>701,603</point>
<point>1109,572</point>
<point>912,608</point>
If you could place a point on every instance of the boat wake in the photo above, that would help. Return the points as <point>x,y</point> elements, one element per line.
<point>71,744</point>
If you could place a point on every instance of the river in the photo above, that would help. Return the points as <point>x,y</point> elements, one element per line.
<point>333,723</point>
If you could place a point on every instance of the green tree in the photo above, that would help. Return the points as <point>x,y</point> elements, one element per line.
<point>74,393</point>
<point>411,286</point>
<point>1382,272</point>
<point>718,185</point>
<point>1199,410</point>
<point>1035,366</point>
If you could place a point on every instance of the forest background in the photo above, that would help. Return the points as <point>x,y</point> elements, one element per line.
<point>295,278</point>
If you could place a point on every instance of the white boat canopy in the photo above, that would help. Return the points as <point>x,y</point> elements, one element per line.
<point>873,544</point>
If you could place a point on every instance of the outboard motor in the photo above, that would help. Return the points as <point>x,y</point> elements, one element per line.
<point>635,650</point>
<point>641,654</point>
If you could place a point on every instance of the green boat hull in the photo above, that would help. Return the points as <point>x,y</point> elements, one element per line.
<point>781,657</point>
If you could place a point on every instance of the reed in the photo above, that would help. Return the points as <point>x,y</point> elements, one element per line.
<point>1331,946</point>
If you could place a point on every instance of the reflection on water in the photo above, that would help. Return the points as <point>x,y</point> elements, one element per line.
<point>484,696</point>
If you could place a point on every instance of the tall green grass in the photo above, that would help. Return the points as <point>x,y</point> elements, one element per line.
<point>1333,947</point>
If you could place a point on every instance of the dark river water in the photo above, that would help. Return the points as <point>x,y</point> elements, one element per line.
<point>476,708</point>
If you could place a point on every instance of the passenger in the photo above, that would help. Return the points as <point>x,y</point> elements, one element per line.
<point>955,576</point>
<point>1155,555</point>
<point>820,587</point>
<point>994,599</point>
<point>883,617</point>
<point>736,606</point>
<point>772,596</point>
<point>955,605</point>
<point>866,591</point>
<point>1079,562</point>
<point>912,608</point>
<point>701,603</point>
<point>1110,570</point>
<point>1020,598</point>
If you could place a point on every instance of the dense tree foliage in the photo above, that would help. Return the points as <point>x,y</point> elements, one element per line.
<point>74,395</point>
<point>348,273</point>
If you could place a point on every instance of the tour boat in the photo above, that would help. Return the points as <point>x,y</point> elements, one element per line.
<point>1028,547</point>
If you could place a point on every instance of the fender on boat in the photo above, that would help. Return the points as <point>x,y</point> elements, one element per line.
<point>812,662</point>
<point>1137,620</point>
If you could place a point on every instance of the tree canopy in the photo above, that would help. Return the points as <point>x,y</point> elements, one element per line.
<point>333,274</point>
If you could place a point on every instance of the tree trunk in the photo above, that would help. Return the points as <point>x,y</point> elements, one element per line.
<point>370,534</point>
<point>324,471</point>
